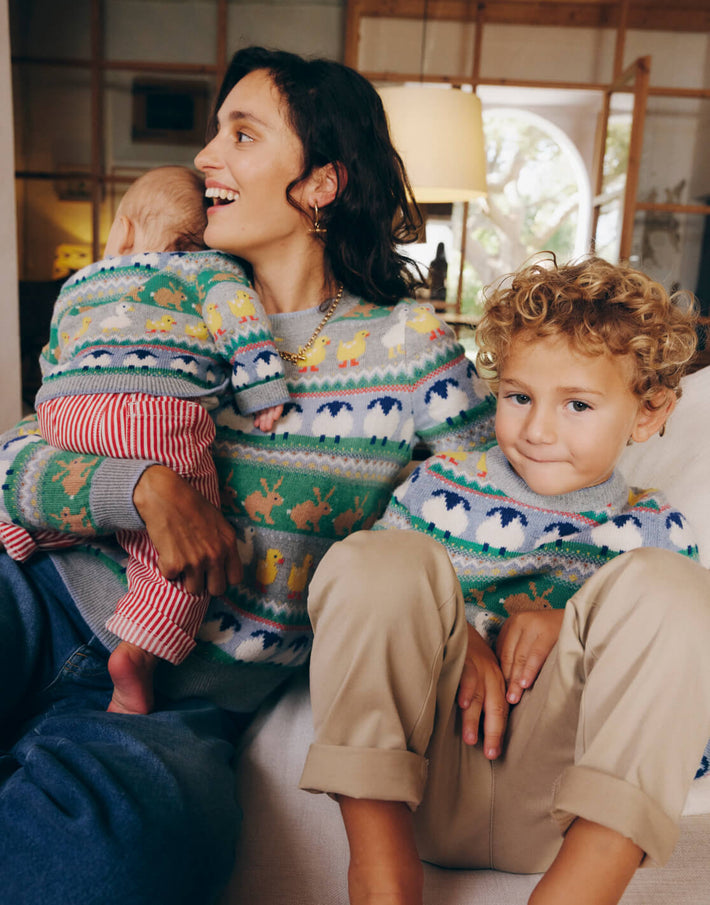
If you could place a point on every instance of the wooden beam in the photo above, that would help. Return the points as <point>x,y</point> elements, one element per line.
<point>686,15</point>
<point>638,119</point>
<point>97,125</point>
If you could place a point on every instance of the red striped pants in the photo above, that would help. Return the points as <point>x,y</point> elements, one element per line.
<point>158,615</point>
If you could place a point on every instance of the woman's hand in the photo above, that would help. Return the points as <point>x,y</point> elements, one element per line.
<point>193,539</point>
<point>524,644</point>
<point>482,691</point>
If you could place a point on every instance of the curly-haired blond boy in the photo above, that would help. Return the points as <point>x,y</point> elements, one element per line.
<point>570,630</point>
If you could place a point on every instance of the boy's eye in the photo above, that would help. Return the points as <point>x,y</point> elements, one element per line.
<point>242,137</point>
<point>578,406</point>
<point>517,398</point>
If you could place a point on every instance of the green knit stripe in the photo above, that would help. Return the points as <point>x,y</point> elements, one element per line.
<point>295,499</point>
<point>55,486</point>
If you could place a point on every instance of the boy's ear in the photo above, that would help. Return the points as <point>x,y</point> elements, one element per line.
<point>651,420</point>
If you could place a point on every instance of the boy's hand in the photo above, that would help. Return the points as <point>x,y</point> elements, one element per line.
<point>523,645</point>
<point>482,691</point>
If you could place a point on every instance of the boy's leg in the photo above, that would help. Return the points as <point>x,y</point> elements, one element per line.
<point>627,690</point>
<point>634,641</point>
<point>593,867</point>
<point>389,644</point>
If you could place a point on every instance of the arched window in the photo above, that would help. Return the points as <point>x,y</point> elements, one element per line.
<point>539,198</point>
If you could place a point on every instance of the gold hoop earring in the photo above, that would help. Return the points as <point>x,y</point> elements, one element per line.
<point>317,229</point>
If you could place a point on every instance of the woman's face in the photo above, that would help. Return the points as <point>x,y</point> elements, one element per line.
<point>248,165</point>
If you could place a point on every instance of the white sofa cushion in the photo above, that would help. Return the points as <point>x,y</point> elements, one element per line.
<point>678,461</point>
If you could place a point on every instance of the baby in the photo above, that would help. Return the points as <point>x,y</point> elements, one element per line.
<point>141,345</point>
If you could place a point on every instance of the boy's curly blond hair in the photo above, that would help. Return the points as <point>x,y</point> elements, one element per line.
<point>599,307</point>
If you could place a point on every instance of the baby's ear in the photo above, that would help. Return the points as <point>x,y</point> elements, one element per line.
<point>652,416</point>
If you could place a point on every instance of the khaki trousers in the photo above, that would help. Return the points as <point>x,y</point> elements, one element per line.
<point>612,730</point>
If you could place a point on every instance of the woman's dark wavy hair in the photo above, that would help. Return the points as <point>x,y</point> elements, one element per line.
<point>339,118</point>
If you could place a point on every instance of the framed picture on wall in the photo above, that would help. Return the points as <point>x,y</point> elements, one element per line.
<point>168,111</point>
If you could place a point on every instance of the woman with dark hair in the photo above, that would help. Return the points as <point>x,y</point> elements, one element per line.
<point>307,189</point>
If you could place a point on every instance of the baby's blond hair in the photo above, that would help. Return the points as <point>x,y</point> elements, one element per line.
<point>169,203</point>
<point>599,308</point>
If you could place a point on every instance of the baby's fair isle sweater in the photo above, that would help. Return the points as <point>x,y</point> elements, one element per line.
<point>514,550</point>
<point>377,380</point>
<point>185,324</point>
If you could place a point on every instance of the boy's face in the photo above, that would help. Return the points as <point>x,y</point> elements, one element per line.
<point>564,418</point>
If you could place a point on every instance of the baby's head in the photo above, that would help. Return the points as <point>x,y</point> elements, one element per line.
<point>163,210</point>
<point>583,358</point>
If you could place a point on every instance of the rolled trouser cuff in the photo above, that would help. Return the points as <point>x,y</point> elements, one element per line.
<point>616,804</point>
<point>383,774</point>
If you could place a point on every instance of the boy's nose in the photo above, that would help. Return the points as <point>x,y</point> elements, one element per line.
<point>540,426</point>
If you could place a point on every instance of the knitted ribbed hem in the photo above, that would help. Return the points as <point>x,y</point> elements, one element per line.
<point>383,774</point>
<point>172,645</point>
<point>111,499</point>
<point>616,804</point>
<point>253,399</point>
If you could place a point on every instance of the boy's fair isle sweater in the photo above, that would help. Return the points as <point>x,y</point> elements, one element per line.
<point>377,380</point>
<point>184,324</point>
<point>515,550</point>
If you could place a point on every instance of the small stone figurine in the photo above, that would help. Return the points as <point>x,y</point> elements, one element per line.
<point>437,274</point>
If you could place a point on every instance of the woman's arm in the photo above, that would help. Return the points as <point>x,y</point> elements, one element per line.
<point>193,539</point>
<point>48,488</point>
<point>452,406</point>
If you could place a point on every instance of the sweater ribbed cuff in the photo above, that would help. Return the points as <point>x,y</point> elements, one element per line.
<point>112,487</point>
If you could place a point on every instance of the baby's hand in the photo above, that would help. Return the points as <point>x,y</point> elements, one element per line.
<point>267,418</point>
<point>523,645</point>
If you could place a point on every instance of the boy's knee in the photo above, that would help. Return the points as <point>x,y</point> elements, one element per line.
<point>658,586</point>
<point>372,568</point>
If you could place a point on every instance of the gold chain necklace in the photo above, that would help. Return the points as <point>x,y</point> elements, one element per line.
<point>298,357</point>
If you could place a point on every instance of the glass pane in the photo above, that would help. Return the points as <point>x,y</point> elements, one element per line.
<point>48,219</point>
<point>674,249</point>
<point>608,235</point>
<point>395,45</point>
<point>616,149</point>
<point>541,52</point>
<point>675,165</point>
<point>52,118</point>
<point>184,32</point>
<point>678,59</point>
<point>309,28</point>
<point>51,28</point>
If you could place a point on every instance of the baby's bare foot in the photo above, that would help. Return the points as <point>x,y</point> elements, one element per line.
<point>131,670</point>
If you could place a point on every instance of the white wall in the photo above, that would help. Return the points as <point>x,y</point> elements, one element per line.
<point>10,404</point>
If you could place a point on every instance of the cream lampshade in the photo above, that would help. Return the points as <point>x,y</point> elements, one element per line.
<point>438,132</point>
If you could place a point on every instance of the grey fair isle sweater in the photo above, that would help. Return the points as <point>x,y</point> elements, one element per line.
<point>378,380</point>
<point>515,550</point>
<point>185,324</point>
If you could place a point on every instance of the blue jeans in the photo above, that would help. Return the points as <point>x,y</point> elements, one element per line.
<point>99,807</point>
